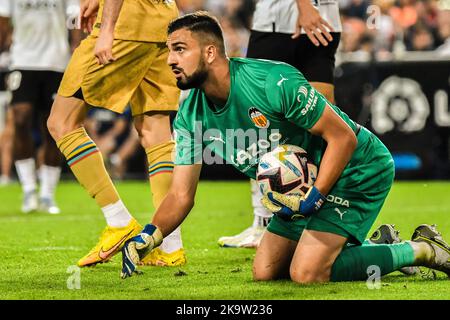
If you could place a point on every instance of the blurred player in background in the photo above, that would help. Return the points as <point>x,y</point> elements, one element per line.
<point>304,34</point>
<point>6,149</point>
<point>6,113</point>
<point>122,61</point>
<point>311,238</point>
<point>39,52</point>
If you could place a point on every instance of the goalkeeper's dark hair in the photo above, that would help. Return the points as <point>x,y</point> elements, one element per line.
<point>202,23</point>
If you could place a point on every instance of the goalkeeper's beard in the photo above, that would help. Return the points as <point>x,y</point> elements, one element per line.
<point>195,80</point>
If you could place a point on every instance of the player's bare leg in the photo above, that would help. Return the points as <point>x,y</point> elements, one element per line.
<point>6,149</point>
<point>24,155</point>
<point>83,157</point>
<point>314,256</point>
<point>49,172</point>
<point>273,257</point>
<point>156,138</point>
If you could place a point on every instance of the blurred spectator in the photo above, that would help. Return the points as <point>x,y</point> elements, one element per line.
<point>396,26</point>
<point>234,16</point>
<point>405,14</point>
<point>352,32</point>
<point>419,38</point>
<point>384,33</point>
<point>236,38</point>
<point>115,137</point>
<point>189,6</point>
<point>357,9</point>
<point>367,43</point>
<point>427,12</point>
<point>443,24</point>
<point>241,11</point>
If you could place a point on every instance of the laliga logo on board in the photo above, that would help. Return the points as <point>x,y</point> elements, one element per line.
<point>258,118</point>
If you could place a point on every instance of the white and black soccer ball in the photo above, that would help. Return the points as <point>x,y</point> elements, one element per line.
<point>286,170</point>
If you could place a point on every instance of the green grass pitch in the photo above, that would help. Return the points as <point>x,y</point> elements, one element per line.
<point>37,250</point>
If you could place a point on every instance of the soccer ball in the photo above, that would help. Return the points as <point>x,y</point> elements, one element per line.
<point>286,170</point>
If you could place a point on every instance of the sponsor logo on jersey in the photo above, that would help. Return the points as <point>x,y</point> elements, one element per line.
<point>318,204</point>
<point>219,138</point>
<point>279,83</point>
<point>258,118</point>
<point>302,91</point>
<point>340,213</point>
<point>338,200</point>
<point>311,97</point>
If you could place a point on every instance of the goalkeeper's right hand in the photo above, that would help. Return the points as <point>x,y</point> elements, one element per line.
<point>138,247</point>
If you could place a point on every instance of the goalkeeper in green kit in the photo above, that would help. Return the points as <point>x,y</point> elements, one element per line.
<point>239,109</point>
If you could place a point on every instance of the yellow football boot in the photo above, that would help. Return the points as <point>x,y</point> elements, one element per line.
<point>110,243</point>
<point>157,257</point>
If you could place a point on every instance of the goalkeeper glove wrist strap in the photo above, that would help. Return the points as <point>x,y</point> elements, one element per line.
<point>155,234</point>
<point>313,201</point>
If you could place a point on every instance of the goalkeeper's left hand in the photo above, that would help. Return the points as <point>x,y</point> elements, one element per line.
<point>138,247</point>
<point>292,207</point>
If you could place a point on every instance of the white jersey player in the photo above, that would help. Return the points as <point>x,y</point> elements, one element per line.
<point>40,51</point>
<point>281,15</point>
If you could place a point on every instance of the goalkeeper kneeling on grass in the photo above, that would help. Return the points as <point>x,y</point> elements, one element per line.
<point>309,239</point>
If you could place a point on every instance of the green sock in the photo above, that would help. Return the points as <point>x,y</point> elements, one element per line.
<point>353,262</point>
<point>402,255</point>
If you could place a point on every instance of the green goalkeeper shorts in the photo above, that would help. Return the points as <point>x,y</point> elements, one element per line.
<point>353,204</point>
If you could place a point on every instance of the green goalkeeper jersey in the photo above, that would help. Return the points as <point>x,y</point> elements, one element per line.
<point>270,103</point>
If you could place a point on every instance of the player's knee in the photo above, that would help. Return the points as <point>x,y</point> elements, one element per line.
<point>308,275</point>
<point>142,135</point>
<point>22,122</point>
<point>262,274</point>
<point>153,130</point>
<point>54,128</point>
<point>58,128</point>
<point>67,115</point>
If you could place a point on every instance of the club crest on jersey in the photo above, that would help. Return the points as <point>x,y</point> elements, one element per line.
<point>258,118</point>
